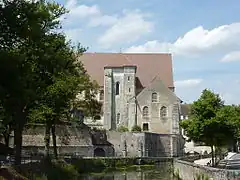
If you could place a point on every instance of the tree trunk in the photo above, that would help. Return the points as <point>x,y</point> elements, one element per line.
<point>47,141</point>
<point>18,143</point>
<point>54,141</point>
<point>215,154</point>
<point>6,139</point>
<point>6,136</point>
<point>235,145</point>
<point>212,155</point>
<point>19,120</point>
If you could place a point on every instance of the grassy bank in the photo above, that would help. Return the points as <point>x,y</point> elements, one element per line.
<point>74,168</point>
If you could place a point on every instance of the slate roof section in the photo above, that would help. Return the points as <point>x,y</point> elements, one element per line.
<point>148,65</point>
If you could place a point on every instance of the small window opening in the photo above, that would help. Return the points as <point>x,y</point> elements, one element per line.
<point>118,118</point>
<point>145,127</point>
<point>154,97</point>
<point>117,88</point>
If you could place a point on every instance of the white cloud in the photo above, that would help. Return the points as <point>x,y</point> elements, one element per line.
<point>190,91</point>
<point>71,34</point>
<point>123,28</point>
<point>150,47</point>
<point>81,11</point>
<point>232,56</point>
<point>126,29</point>
<point>102,20</point>
<point>196,41</point>
<point>92,14</point>
<point>188,83</point>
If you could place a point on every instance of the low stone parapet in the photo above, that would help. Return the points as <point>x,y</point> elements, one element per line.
<point>189,171</point>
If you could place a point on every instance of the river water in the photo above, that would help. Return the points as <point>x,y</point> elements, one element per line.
<point>153,173</point>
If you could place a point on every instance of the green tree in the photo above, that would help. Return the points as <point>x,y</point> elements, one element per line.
<point>230,115</point>
<point>207,123</point>
<point>40,74</point>
<point>23,26</point>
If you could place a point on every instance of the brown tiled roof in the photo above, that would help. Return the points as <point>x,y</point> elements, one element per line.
<point>148,65</point>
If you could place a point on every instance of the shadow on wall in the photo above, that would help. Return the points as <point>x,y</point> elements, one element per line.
<point>103,148</point>
<point>155,145</point>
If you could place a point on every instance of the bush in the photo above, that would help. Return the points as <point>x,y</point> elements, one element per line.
<point>122,129</point>
<point>136,128</point>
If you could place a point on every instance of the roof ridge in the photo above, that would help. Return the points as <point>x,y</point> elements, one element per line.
<point>130,53</point>
<point>127,58</point>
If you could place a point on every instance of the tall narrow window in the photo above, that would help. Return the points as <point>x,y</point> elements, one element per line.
<point>154,97</point>
<point>118,118</point>
<point>163,112</point>
<point>128,78</point>
<point>117,88</point>
<point>145,112</point>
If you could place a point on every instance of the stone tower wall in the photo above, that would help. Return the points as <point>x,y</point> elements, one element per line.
<point>117,106</point>
<point>107,105</point>
<point>130,92</point>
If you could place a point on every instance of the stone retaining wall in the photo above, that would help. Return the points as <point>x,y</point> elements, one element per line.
<point>143,144</point>
<point>189,171</point>
<point>82,141</point>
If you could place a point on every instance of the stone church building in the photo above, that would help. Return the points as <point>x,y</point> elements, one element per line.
<point>136,89</point>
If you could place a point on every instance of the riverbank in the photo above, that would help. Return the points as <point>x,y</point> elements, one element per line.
<point>74,168</point>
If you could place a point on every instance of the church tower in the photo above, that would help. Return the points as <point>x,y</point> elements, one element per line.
<point>119,95</point>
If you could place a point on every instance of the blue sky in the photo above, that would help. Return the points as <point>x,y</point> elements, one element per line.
<point>203,36</point>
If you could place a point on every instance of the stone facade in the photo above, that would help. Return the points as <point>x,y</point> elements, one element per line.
<point>119,89</point>
<point>155,109</point>
<point>162,106</point>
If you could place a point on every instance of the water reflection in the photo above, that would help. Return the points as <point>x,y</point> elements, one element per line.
<point>153,174</point>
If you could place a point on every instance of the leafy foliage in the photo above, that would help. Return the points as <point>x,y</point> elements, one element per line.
<point>40,74</point>
<point>89,104</point>
<point>122,129</point>
<point>210,121</point>
<point>203,121</point>
<point>136,128</point>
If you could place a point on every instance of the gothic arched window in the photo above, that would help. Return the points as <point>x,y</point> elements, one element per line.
<point>154,97</point>
<point>118,118</point>
<point>117,88</point>
<point>145,112</point>
<point>163,112</point>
